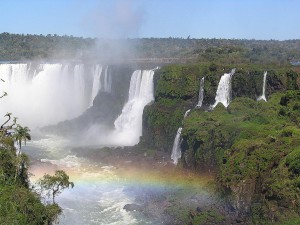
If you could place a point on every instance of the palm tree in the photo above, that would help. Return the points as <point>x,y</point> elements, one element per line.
<point>21,134</point>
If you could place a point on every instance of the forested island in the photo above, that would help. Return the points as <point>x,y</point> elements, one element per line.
<point>251,147</point>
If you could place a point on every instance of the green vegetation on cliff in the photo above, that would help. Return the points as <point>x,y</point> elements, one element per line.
<point>19,205</point>
<point>175,92</point>
<point>254,149</point>
<point>177,88</point>
<point>252,146</point>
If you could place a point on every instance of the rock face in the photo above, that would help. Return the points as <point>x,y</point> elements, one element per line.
<point>175,92</point>
<point>133,207</point>
<point>243,143</point>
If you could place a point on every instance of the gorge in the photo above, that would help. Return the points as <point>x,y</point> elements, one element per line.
<point>219,126</point>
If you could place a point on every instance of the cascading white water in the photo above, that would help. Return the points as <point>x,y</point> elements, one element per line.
<point>176,150</point>
<point>97,186</point>
<point>128,126</point>
<point>223,94</point>
<point>263,96</point>
<point>186,113</point>
<point>45,95</point>
<point>96,82</point>
<point>201,93</point>
<point>79,88</point>
<point>107,81</point>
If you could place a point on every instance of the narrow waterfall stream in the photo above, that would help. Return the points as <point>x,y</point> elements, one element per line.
<point>201,93</point>
<point>263,96</point>
<point>176,150</point>
<point>96,82</point>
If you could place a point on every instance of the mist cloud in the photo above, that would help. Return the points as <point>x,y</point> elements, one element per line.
<point>119,19</point>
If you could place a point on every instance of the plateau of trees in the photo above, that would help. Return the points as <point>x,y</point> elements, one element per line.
<point>178,50</point>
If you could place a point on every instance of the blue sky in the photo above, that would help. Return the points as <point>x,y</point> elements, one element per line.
<point>246,19</point>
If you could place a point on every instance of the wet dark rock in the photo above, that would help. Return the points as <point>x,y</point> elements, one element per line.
<point>133,207</point>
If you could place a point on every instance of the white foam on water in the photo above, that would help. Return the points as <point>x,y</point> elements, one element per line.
<point>98,196</point>
<point>70,161</point>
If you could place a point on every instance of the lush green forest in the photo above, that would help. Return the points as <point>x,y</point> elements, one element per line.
<point>29,47</point>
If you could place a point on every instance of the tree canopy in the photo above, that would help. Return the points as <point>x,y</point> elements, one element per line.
<point>55,184</point>
<point>53,47</point>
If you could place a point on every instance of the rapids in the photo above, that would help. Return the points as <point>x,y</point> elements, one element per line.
<point>105,185</point>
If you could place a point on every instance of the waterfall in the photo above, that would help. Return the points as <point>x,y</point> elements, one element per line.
<point>186,113</point>
<point>96,82</point>
<point>97,85</point>
<point>79,86</point>
<point>107,81</point>
<point>223,94</point>
<point>128,126</point>
<point>17,74</point>
<point>201,93</point>
<point>176,150</point>
<point>46,93</point>
<point>263,96</point>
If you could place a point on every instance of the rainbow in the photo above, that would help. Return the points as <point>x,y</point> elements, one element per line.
<point>102,191</point>
<point>163,176</point>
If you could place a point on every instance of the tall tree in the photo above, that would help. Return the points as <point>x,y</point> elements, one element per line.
<point>21,134</point>
<point>55,184</point>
